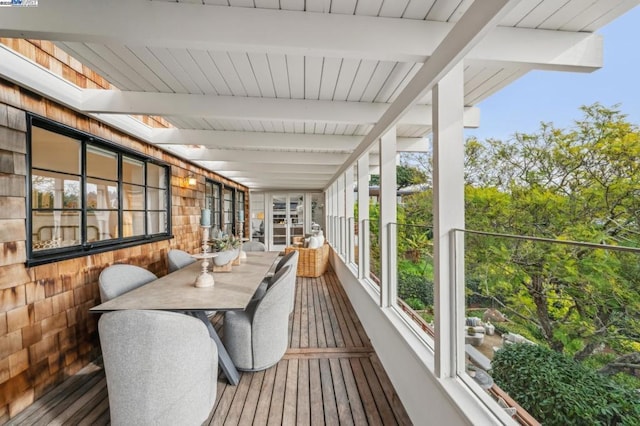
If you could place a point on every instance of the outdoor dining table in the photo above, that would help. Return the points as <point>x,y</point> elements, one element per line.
<point>176,292</point>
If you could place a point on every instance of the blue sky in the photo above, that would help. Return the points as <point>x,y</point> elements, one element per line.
<point>552,96</point>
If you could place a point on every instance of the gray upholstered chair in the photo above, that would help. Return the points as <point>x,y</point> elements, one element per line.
<point>179,259</point>
<point>118,279</point>
<point>257,337</point>
<point>253,246</point>
<point>289,259</point>
<point>161,367</point>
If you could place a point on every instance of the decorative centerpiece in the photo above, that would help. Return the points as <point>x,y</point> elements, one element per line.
<point>205,279</point>
<point>227,249</point>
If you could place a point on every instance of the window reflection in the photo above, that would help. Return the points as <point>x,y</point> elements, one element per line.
<point>55,229</point>
<point>55,190</point>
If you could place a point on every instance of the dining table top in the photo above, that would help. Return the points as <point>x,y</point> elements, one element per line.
<point>176,291</point>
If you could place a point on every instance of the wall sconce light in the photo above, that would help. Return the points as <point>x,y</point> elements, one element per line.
<point>190,180</point>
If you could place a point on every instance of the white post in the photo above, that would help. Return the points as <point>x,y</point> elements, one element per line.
<point>448,214</point>
<point>348,208</point>
<point>341,214</point>
<point>363,214</point>
<point>388,201</point>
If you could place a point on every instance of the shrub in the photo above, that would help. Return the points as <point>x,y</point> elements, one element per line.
<point>415,304</point>
<point>559,391</point>
<point>415,287</point>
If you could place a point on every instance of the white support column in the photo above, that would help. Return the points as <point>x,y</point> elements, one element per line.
<point>348,209</point>
<point>330,215</point>
<point>448,214</point>
<point>388,200</point>
<point>363,216</point>
<point>341,215</point>
<point>334,215</point>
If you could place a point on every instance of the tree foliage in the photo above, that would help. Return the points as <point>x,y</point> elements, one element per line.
<point>405,176</point>
<point>558,391</point>
<point>581,184</point>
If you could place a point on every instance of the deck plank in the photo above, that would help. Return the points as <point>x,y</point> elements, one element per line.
<point>303,413</point>
<point>311,326</point>
<point>386,413</point>
<point>355,402</point>
<point>264,401</point>
<point>85,399</point>
<point>277,396</point>
<point>251,401</point>
<point>340,392</point>
<point>290,394</point>
<point>329,375</point>
<point>368,401</point>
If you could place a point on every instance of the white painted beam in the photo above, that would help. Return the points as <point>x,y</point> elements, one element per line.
<point>242,166</point>
<point>282,141</point>
<point>249,108</point>
<point>473,26</point>
<point>273,157</point>
<point>238,29</point>
<point>275,174</point>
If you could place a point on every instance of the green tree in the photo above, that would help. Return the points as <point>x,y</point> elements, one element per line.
<point>405,176</point>
<point>580,184</point>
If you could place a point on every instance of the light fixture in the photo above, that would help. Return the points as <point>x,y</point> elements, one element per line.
<point>190,180</point>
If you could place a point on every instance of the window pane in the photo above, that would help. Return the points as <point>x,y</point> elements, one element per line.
<point>156,199</point>
<point>156,176</point>
<point>157,222</point>
<point>132,171</point>
<point>133,197</point>
<point>216,207</point>
<point>54,190</point>
<point>101,194</point>
<point>102,225</point>
<point>102,163</point>
<point>55,229</point>
<point>227,225</point>
<point>132,223</point>
<point>52,151</point>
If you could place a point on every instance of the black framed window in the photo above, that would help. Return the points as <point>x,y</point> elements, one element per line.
<point>228,211</point>
<point>88,195</point>
<point>240,213</point>
<point>212,201</point>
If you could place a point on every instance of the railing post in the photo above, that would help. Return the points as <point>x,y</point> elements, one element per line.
<point>388,199</point>
<point>363,216</point>
<point>448,211</point>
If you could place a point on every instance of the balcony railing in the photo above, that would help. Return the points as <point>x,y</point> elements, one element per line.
<point>578,301</point>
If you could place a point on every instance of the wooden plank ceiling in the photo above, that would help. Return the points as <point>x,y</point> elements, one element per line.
<point>278,93</point>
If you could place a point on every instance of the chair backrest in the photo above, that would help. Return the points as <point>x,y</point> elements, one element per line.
<point>161,367</point>
<point>270,322</point>
<point>178,259</point>
<point>118,279</point>
<point>288,259</point>
<point>253,246</point>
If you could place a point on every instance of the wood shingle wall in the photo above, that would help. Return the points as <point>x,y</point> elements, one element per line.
<point>46,331</point>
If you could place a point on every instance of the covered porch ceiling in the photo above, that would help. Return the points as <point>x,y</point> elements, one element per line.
<point>286,94</point>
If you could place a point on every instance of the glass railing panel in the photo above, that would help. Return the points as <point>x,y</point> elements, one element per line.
<point>374,251</point>
<point>342,223</point>
<point>415,273</point>
<point>550,324</point>
<point>351,240</point>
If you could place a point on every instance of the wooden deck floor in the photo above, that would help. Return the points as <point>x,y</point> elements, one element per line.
<point>329,375</point>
